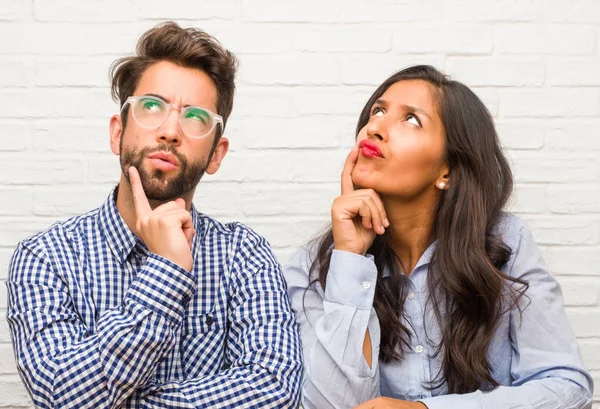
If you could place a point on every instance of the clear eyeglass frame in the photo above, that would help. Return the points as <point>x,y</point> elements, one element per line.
<point>215,118</point>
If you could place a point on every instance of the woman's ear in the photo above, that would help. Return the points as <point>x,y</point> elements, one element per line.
<point>443,180</point>
<point>442,183</point>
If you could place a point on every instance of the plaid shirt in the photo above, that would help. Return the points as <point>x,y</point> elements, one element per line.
<point>98,321</point>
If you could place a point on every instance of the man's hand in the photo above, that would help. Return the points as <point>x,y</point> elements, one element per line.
<point>357,216</point>
<point>389,403</point>
<point>167,230</point>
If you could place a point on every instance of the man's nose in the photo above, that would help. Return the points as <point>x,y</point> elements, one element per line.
<point>170,131</point>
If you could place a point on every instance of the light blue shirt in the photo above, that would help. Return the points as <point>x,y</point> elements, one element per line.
<point>534,356</point>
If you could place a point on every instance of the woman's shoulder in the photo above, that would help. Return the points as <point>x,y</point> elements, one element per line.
<point>515,233</point>
<point>511,229</point>
<point>300,263</point>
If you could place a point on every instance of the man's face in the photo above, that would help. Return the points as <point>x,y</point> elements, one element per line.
<point>170,163</point>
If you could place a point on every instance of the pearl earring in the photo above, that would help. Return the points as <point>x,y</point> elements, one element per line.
<point>442,185</point>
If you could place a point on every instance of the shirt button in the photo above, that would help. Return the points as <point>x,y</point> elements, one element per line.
<point>366,285</point>
<point>419,349</point>
<point>411,296</point>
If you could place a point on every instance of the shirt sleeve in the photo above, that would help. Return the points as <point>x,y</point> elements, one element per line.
<point>547,369</point>
<point>263,347</point>
<point>65,364</point>
<point>332,327</point>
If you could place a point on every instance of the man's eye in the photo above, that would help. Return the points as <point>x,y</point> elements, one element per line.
<point>198,115</point>
<point>151,105</point>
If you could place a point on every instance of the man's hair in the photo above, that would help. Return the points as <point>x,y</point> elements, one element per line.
<point>186,47</point>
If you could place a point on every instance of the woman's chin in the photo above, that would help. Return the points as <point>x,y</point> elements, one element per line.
<point>363,179</point>
<point>364,183</point>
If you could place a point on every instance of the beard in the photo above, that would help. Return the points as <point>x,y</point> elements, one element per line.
<point>157,184</point>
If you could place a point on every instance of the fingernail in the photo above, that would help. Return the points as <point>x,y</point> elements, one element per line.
<point>386,222</point>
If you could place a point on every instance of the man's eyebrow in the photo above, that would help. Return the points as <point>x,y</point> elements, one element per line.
<point>158,96</point>
<point>166,99</point>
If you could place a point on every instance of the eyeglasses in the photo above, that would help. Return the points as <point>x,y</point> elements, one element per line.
<point>151,112</point>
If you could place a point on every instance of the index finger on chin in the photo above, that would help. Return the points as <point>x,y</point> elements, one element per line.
<point>347,184</point>
<point>140,201</point>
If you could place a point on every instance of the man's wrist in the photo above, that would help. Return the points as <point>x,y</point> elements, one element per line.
<point>164,287</point>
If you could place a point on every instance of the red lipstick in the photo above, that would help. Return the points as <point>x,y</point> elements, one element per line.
<point>369,149</point>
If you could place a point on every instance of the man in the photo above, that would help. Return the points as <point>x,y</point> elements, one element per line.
<point>144,302</point>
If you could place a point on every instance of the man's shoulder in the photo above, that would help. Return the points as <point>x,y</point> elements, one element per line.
<point>62,231</point>
<point>49,247</point>
<point>243,242</point>
<point>232,231</point>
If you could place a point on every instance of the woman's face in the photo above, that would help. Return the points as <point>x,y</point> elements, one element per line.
<point>402,147</point>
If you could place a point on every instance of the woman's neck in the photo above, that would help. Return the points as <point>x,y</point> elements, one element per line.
<point>410,230</point>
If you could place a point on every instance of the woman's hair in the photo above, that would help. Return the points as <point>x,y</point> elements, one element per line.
<point>186,47</point>
<point>467,290</point>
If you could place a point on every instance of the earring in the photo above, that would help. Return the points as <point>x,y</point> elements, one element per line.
<point>442,185</point>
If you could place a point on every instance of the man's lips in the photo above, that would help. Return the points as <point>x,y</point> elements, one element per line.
<point>369,149</point>
<point>163,160</point>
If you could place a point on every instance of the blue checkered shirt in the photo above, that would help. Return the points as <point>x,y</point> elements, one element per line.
<point>98,321</point>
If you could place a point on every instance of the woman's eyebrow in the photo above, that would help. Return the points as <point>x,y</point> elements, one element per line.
<point>415,109</point>
<point>405,107</point>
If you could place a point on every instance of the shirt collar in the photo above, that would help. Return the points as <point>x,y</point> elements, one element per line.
<point>424,260</point>
<point>119,236</point>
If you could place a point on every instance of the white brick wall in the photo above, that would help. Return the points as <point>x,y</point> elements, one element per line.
<point>306,69</point>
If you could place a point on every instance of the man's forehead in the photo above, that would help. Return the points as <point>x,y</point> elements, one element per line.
<point>179,85</point>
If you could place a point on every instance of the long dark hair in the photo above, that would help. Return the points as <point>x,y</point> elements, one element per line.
<point>465,282</point>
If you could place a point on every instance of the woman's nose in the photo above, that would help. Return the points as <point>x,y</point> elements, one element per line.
<point>376,128</point>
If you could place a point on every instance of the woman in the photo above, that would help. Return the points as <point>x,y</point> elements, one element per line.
<point>423,294</point>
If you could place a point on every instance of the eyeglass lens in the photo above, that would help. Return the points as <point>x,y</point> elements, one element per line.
<point>152,112</point>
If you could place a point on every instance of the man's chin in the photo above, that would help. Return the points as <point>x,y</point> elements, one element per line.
<point>163,194</point>
<point>164,186</point>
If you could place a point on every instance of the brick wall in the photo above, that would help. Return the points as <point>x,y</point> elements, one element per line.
<point>306,69</point>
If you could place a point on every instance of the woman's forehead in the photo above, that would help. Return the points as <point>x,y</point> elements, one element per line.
<point>417,93</point>
<point>412,95</point>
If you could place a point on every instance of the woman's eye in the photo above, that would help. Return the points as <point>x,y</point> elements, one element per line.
<point>377,111</point>
<point>413,120</point>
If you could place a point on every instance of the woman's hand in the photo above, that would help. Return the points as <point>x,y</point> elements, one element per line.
<point>357,216</point>
<point>389,403</point>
